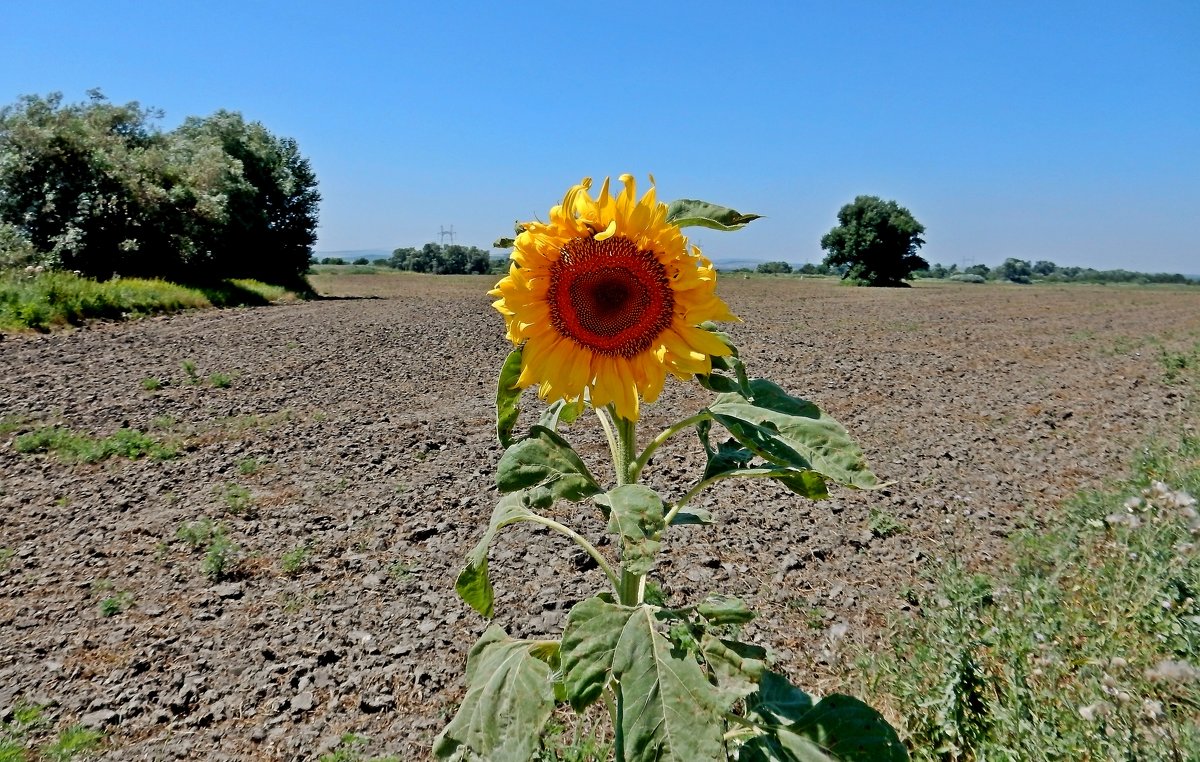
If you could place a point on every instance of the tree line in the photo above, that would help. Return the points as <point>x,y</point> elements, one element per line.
<point>99,188</point>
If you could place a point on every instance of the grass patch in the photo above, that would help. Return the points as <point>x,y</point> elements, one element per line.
<point>151,384</point>
<point>1087,648</point>
<point>71,446</point>
<point>46,300</point>
<point>220,380</point>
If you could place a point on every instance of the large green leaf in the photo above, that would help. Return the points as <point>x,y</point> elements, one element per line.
<point>635,513</point>
<point>670,713</point>
<point>687,212</point>
<point>736,667</point>
<point>588,643</point>
<point>473,584</point>
<point>545,459</point>
<point>508,397</point>
<point>729,457</point>
<point>778,701</point>
<point>510,695</point>
<point>792,432</point>
<point>836,729</point>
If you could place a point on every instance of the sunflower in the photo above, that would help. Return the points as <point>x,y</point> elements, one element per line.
<point>607,297</point>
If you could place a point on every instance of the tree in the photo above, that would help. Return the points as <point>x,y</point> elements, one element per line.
<point>774,268</point>
<point>876,241</point>
<point>98,187</point>
<point>1014,271</point>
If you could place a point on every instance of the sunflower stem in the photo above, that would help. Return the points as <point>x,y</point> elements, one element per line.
<point>606,423</point>
<point>633,586</point>
<point>663,436</point>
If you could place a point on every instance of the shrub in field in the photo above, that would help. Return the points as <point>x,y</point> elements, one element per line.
<point>604,301</point>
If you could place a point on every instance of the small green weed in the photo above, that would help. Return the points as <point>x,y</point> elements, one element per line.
<point>115,604</point>
<point>6,557</point>
<point>220,380</point>
<point>249,466</point>
<point>220,559</point>
<point>1178,365</point>
<point>189,370</point>
<point>197,533</point>
<point>884,524</point>
<point>221,555</point>
<point>403,569</point>
<point>295,560</point>
<point>151,384</point>
<point>350,749</point>
<point>238,500</point>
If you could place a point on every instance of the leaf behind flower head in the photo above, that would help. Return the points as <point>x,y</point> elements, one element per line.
<point>688,212</point>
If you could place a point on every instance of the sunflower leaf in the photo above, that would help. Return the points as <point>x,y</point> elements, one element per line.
<point>838,728</point>
<point>795,434</point>
<point>688,212</point>
<point>737,667</point>
<point>545,459</point>
<point>473,584</point>
<point>510,695</point>
<point>635,514</point>
<point>671,712</point>
<point>588,643</point>
<point>508,397</point>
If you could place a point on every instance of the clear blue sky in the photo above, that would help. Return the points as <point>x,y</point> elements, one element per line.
<point>1064,131</point>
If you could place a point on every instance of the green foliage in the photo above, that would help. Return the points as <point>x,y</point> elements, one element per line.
<point>220,554</point>
<point>151,384</point>
<point>350,749</point>
<point>116,603</point>
<point>1021,271</point>
<point>1086,648</point>
<point>220,380</point>
<point>295,560</point>
<point>249,466</point>
<point>876,241</point>
<point>510,695</point>
<point>99,188</point>
<point>1178,366</point>
<point>687,212</point>
<point>73,447</point>
<point>189,369</point>
<point>238,500</point>
<point>72,742</point>
<point>442,260</point>
<point>884,524</point>
<point>1014,271</point>
<point>43,300</point>
<point>774,268</point>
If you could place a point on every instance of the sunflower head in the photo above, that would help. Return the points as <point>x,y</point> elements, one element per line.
<point>607,297</point>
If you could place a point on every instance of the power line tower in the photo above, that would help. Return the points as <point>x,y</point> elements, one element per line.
<point>443,233</point>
